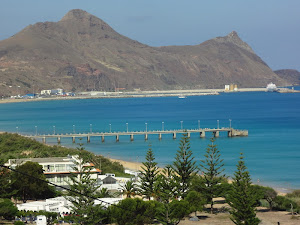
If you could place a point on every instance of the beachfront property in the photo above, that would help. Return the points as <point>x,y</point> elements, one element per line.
<point>58,169</point>
<point>60,205</point>
<point>57,91</point>
<point>45,92</point>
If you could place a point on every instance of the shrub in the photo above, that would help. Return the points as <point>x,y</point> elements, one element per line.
<point>133,211</point>
<point>294,194</point>
<point>284,204</point>
<point>7,209</point>
<point>19,223</point>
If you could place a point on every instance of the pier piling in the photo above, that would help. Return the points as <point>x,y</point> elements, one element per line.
<point>174,135</point>
<point>202,134</point>
<point>215,131</point>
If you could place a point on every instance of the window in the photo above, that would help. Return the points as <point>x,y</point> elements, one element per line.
<point>60,167</point>
<point>49,168</point>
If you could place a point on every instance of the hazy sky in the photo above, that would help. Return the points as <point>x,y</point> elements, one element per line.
<point>270,27</point>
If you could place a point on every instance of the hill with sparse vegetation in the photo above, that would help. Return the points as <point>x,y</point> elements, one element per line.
<point>81,52</point>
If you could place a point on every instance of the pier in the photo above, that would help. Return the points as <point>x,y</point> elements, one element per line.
<point>231,132</point>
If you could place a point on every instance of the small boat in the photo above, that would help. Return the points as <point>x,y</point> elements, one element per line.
<point>181,96</point>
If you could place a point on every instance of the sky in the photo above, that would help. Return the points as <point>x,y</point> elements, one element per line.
<point>270,27</point>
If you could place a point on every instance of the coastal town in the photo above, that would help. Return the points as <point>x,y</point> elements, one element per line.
<point>149,112</point>
<point>60,94</point>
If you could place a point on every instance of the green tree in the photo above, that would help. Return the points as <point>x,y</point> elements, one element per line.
<point>129,189</point>
<point>6,190</point>
<point>148,175</point>
<point>241,198</point>
<point>7,209</point>
<point>166,186</point>
<point>212,169</point>
<point>173,212</point>
<point>196,201</point>
<point>170,210</point>
<point>30,182</point>
<point>184,166</point>
<point>104,193</point>
<point>82,193</point>
<point>270,195</point>
<point>133,211</point>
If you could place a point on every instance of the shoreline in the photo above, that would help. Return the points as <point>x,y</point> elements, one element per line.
<point>145,94</point>
<point>136,166</point>
<point>135,94</point>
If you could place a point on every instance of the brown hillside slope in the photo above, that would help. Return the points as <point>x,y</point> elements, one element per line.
<point>81,52</point>
<point>291,76</point>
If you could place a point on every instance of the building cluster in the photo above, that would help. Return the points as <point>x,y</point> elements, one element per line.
<point>56,92</point>
<point>231,87</point>
<point>45,93</point>
<point>58,171</point>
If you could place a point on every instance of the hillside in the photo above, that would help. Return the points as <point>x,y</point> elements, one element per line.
<point>81,52</point>
<point>14,146</point>
<point>291,76</point>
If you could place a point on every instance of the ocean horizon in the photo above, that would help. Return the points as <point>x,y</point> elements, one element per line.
<point>271,151</point>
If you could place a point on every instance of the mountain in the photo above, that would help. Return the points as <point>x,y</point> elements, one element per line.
<point>291,76</point>
<point>81,52</point>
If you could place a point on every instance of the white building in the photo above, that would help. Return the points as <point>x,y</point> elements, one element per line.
<point>227,86</point>
<point>57,91</point>
<point>61,205</point>
<point>58,169</point>
<point>41,220</point>
<point>45,92</point>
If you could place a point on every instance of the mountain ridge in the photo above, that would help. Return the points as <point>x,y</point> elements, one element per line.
<point>82,52</point>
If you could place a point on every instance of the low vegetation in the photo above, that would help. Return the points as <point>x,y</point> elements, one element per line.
<point>14,146</point>
<point>176,192</point>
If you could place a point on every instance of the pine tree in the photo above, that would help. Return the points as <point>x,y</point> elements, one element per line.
<point>212,169</point>
<point>241,198</point>
<point>148,175</point>
<point>166,187</point>
<point>83,192</point>
<point>6,183</point>
<point>184,166</point>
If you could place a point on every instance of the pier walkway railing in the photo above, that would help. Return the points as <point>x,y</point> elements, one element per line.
<point>231,132</point>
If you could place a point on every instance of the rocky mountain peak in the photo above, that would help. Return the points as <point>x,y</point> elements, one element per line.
<point>234,38</point>
<point>76,14</point>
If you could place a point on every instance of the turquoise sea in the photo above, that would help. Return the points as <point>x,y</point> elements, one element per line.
<point>272,149</point>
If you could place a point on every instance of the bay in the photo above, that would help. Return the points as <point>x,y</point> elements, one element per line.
<point>272,149</point>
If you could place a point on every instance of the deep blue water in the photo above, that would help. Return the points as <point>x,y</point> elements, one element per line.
<point>272,149</point>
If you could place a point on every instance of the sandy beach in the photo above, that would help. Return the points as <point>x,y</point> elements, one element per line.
<point>135,166</point>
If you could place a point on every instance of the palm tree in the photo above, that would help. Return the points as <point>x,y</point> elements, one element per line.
<point>129,188</point>
<point>104,193</point>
